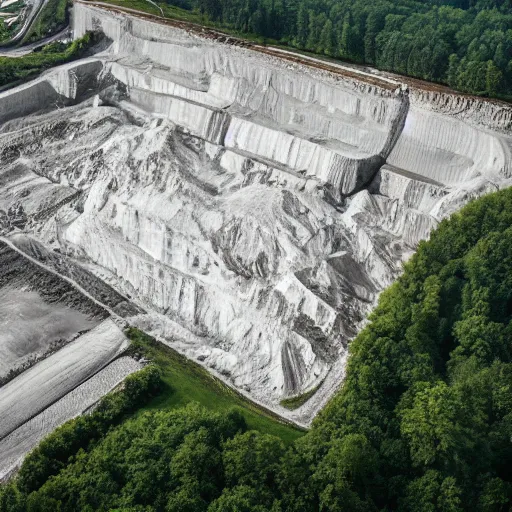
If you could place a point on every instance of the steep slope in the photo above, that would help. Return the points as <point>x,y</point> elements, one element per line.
<point>423,421</point>
<point>253,207</point>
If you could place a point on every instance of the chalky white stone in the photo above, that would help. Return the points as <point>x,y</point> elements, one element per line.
<point>253,207</point>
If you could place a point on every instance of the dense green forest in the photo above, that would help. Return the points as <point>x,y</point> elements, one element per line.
<point>466,44</point>
<point>423,422</point>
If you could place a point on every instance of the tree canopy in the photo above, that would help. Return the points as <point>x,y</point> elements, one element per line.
<point>466,44</point>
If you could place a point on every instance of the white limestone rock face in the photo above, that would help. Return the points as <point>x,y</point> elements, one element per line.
<point>53,89</point>
<point>245,209</point>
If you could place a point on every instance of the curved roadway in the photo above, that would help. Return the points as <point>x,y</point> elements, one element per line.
<point>19,51</point>
<point>10,49</point>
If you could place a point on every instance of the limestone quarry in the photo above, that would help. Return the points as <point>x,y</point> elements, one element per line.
<point>242,205</point>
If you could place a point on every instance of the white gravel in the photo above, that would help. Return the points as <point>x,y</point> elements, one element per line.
<point>43,384</point>
<point>18,443</point>
<point>29,325</point>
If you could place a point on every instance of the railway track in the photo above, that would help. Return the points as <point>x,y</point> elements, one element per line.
<point>222,37</point>
<point>385,80</point>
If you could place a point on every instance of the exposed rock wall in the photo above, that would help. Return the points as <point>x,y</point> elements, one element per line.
<point>55,89</point>
<point>444,149</point>
<point>253,207</point>
<point>333,131</point>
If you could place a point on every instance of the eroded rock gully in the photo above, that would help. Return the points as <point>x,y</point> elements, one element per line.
<point>251,207</point>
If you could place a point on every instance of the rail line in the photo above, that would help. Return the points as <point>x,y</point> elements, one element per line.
<point>382,79</point>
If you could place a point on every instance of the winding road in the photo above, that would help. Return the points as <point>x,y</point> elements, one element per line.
<point>19,51</point>
<point>10,48</point>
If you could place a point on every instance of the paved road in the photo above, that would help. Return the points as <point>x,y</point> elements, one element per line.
<point>9,48</point>
<point>28,48</point>
<point>36,9</point>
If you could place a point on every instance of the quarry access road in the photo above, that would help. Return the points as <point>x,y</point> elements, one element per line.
<point>279,413</point>
<point>36,9</point>
<point>119,321</point>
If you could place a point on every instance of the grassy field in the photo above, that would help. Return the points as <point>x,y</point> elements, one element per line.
<point>169,11</point>
<point>186,381</point>
<point>16,70</point>
<point>296,401</point>
<point>139,5</point>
